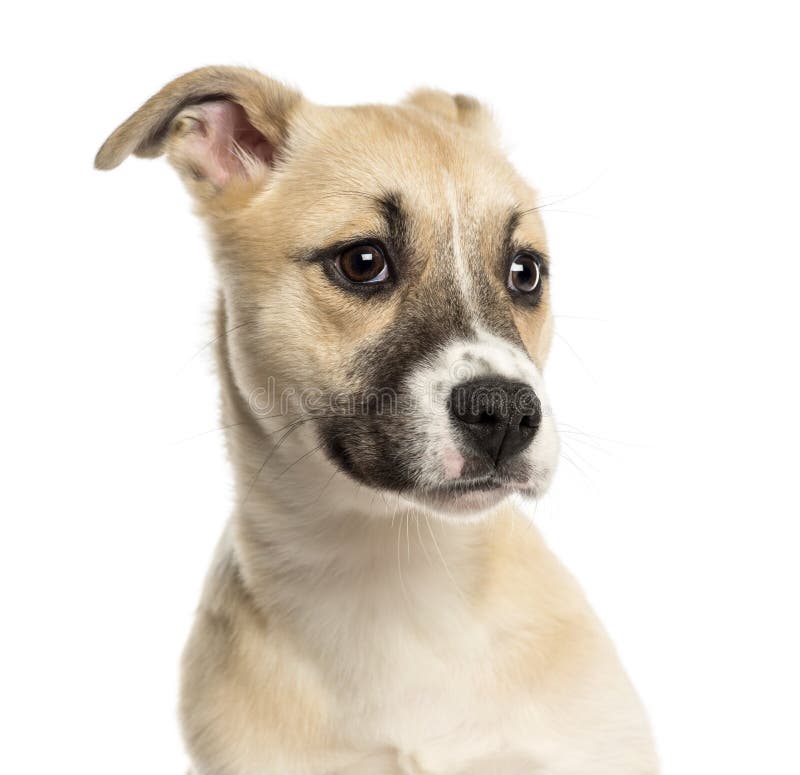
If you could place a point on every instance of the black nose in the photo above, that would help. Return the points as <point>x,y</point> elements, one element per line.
<point>497,416</point>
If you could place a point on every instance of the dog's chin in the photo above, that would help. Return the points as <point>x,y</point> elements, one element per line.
<point>468,501</point>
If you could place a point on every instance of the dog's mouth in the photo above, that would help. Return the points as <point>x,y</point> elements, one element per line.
<point>471,496</point>
<point>483,484</point>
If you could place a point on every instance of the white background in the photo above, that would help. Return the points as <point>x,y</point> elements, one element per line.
<point>664,138</point>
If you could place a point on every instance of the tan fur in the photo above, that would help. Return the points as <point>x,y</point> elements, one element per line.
<point>357,632</point>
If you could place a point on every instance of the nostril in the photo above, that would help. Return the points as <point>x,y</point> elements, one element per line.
<point>479,405</point>
<point>531,413</point>
<point>528,408</point>
<point>488,416</point>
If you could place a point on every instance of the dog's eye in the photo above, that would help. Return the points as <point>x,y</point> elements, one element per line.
<point>363,264</point>
<point>524,275</point>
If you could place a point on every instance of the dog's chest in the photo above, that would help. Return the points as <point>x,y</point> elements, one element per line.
<point>419,663</point>
<point>445,729</point>
<point>425,676</point>
<point>433,697</point>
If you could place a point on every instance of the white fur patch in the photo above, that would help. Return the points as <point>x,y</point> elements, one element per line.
<point>462,267</point>
<point>431,385</point>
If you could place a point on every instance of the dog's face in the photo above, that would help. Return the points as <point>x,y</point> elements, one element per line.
<point>385,279</point>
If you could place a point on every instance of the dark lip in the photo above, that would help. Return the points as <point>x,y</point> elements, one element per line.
<point>488,484</point>
<point>471,496</point>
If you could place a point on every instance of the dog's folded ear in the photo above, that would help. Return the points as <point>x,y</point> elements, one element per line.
<point>458,108</point>
<point>216,125</point>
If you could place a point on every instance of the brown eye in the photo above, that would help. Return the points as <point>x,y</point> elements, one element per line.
<point>363,264</point>
<point>524,275</point>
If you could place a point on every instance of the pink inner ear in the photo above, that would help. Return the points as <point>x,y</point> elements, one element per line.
<point>223,144</point>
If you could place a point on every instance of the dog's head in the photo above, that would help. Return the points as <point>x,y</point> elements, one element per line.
<point>384,276</point>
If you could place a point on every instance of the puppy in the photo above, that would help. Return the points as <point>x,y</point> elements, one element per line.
<point>376,603</point>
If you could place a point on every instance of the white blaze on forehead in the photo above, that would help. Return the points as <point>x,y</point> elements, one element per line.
<point>459,257</point>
